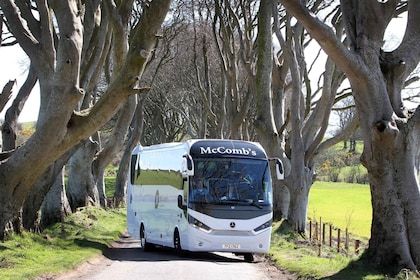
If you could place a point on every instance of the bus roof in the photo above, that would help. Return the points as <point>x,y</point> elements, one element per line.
<point>227,148</point>
<point>211,148</point>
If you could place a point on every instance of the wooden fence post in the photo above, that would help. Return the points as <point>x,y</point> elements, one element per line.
<point>338,240</point>
<point>356,246</point>
<point>330,235</point>
<point>347,240</point>
<point>310,230</point>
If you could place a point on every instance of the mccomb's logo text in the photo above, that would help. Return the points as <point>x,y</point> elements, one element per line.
<point>227,151</point>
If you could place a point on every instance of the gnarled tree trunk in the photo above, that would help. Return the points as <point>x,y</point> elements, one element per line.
<point>56,205</point>
<point>390,132</point>
<point>57,63</point>
<point>82,189</point>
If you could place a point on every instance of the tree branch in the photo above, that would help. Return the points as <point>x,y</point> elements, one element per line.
<point>344,134</point>
<point>47,38</point>
<point>16,25</point>
<point>326,38</point>
<point>6,93</point>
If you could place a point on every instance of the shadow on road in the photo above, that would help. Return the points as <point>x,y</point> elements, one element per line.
<point>128,249</point>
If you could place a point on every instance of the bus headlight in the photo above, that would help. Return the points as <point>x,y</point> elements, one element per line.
<point>264,226</point>
<point>196,223</point>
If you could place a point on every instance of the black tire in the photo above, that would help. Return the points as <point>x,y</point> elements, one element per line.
<point>177,245</point>
<point>145,246</point>
<point>249,257</point>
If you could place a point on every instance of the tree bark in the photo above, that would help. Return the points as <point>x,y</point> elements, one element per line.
<point>112,147</point>
<point>82,189</point>
<point>56,205</point>
<point>59,128</point>
<point>6,93</point>
<point>390,132</point>
<point>9,126</point>
<point>121,181</point>
<point>40,190</point>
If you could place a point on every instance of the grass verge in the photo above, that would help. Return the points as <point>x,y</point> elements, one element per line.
<point>343,205</point>
<point>61,247</point>
<point>86,233</point>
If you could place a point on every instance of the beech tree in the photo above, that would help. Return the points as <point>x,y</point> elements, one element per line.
<point>292,117</point>
<point>53,41</point>
<point>390,130</point>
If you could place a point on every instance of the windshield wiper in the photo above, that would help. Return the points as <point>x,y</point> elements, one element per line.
<point>253,203</point>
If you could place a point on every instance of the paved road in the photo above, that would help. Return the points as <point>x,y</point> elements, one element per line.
<point>125,260</point>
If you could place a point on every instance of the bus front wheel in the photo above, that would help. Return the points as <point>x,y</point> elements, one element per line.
<point>177,244</point>
<point>145,246</point>
<point>249,257</point>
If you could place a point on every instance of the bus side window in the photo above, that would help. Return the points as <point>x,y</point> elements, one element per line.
<point>133,168</point>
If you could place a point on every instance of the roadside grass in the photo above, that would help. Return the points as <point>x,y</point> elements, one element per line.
<point>61,247</point>
<point>86,233</point>
<point>343,205</point>
<point>300,257</point>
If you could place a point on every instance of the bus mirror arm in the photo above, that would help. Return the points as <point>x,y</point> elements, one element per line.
<point>180,203</point>
<point>188,165</point>
<point>279,168</point>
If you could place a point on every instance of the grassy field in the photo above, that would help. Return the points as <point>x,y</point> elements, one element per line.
<point>342,204</point>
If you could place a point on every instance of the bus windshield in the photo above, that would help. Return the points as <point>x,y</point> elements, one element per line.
<point>231,180</point>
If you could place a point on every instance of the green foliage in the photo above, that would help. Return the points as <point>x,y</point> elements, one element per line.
<point>340,165</point>
<point>63,246</point>
<point>109,186</point>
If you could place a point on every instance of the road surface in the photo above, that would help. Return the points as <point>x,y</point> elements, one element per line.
<point>125,260</point>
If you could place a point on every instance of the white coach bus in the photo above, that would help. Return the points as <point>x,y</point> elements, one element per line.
<point>202,196</point>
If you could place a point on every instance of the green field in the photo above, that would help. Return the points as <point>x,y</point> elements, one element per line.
<point>342,204</point>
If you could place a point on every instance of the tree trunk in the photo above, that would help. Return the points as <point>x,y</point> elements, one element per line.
<point>56,205</point>
<point>82,189</point>
<point>390,132</point>
<point>40,190</point>
<point>57,63</point>
<point>395,232</point>
<point>113,146</point>
<point>99,179</point>
<point>121,181</point>
<point>268,117</point>
<point>299,199</point>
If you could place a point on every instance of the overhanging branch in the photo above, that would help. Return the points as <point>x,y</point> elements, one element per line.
<point>326,38</point>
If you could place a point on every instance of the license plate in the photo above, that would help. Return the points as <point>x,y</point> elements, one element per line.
<point>231,246</point>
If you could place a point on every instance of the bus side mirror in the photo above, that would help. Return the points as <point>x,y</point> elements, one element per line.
<point>181,204</point>
<point>279,169</point>
<point>188,165</point>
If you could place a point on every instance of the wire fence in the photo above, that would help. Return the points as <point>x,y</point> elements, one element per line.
<point>327,235</point>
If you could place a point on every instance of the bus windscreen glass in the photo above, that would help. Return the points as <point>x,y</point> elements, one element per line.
<point>233,181</point>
